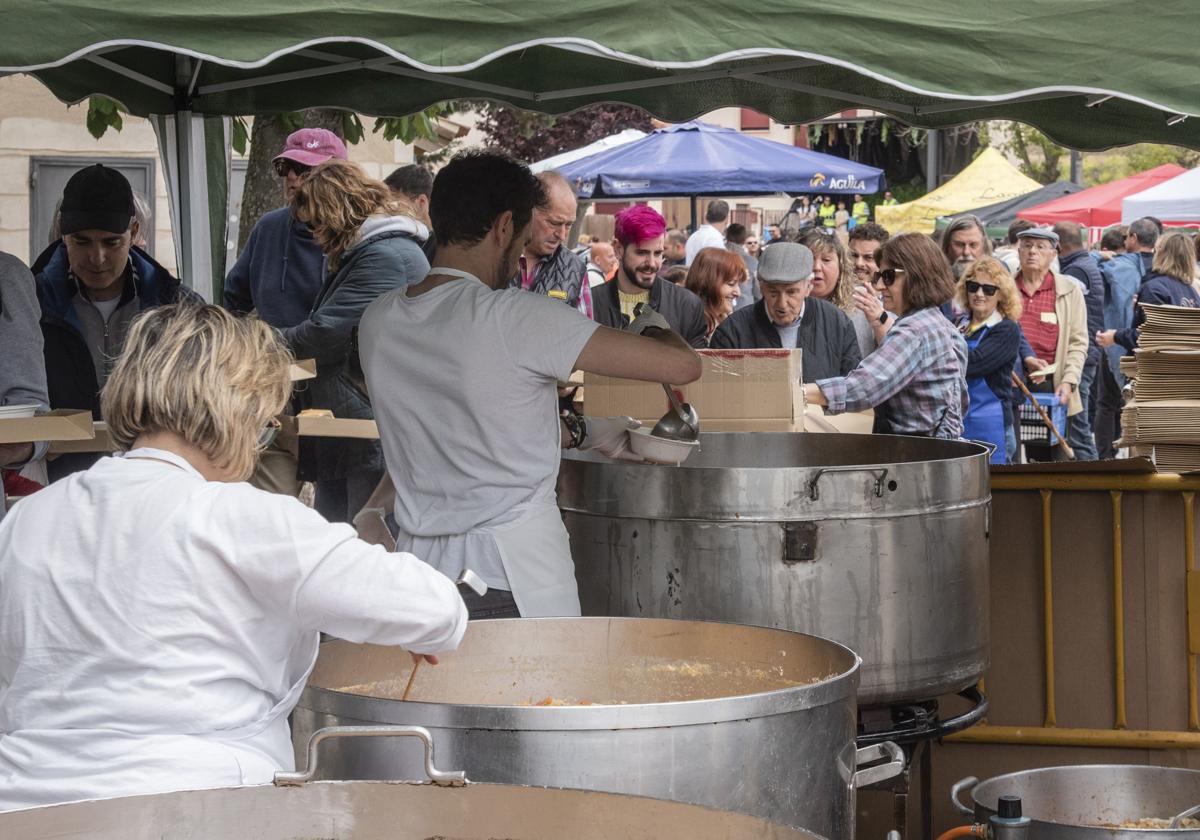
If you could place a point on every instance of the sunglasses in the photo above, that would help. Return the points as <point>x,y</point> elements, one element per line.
<point>987,288</point>
<point>267,436</point>
<point>888,276</point>
<point>283,166</point>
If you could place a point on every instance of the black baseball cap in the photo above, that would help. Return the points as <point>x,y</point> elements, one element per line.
<point>96,198</point>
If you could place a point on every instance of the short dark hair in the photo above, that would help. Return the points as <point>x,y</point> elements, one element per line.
<point>1070,236</point>
<point>870,232</point>
<point>473,189</point>
<point>718,211</point>
<point>676,274</point>
<point>1145,231</point>
<point>1114,238</point>
<point>1014,230</point>
<point>677,236</point>
<point>928,280</point>
<point>411,181</point>
<point>736,233</point>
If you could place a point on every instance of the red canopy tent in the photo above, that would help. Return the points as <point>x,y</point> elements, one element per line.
<point>1100,206</point>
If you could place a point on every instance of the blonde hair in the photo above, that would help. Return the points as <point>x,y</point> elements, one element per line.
<point>994,273</point>
<point>818,241</point>
<point>202,373</point>
<point>1175,256</point>
<point>335,198</point>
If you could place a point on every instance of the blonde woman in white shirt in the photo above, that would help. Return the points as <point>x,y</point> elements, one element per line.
<point>158,615</point>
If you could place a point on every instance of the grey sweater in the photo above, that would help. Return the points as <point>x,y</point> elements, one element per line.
<point>22,367</point>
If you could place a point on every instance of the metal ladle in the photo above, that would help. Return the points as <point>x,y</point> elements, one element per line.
<point>1183,815</point>
<point>681,422</point>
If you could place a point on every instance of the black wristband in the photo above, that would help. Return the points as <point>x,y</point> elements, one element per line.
<point>883,317</point>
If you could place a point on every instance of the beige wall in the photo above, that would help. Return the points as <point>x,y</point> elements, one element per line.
<point>33,123</point>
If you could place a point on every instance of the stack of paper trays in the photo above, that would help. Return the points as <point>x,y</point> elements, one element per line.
<point>1164,415</point>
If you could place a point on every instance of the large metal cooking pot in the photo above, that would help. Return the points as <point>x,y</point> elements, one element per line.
<point>1088,802</point>
<point>877,542</point>
<point>385,811</point>
<point>743,719</point>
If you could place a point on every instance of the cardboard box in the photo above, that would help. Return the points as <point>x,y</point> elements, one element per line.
<point>306,426</point>
<point>304,369</point>
<point>101,442</point>
<point>738,391</point>
<point>60,424</point>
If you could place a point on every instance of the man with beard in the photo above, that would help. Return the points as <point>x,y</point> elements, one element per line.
<point>462,372</point>
<point>964,242</point>
<point>639,247</point>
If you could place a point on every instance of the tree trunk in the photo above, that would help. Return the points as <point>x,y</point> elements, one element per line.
<point>263,192</point>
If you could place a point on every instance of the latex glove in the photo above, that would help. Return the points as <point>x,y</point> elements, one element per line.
<point>646,319</point>
<point>610,436</point>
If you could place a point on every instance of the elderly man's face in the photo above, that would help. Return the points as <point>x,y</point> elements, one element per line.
<point>784,301</point>
<point>98,258</point>
<point>863,252</point>
<point>1036,256</point>
<point>604,257</point>
<point>966,244</point>
<point>552,223</point>
<point>640,263</point>
<point>673,250</point>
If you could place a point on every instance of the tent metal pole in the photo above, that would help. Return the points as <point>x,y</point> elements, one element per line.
<point>933,159</point>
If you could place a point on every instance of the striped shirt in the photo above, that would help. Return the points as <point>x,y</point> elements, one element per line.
<point>917,377</point>
<point>1039,321</point>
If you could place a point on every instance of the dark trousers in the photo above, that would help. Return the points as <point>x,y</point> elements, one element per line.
<point>340,499</point>
<point>1108,411</point>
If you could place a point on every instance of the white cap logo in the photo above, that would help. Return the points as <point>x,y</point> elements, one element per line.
<point>312,144</point>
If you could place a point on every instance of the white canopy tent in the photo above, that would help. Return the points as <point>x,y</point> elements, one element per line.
<point>1175,202</point>
<point>603,144</point>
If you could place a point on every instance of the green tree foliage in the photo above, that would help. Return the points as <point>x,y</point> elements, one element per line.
<point>1038,156</point>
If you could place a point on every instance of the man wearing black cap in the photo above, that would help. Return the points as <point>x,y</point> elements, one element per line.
<point>91,283</point>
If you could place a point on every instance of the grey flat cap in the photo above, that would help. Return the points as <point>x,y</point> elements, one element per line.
<point>1040,233</point>
<point>785,262</point>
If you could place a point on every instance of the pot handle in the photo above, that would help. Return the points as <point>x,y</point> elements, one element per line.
<point>453,778</point>
<point>880,474</point>
<point>968,784</point>
<point>864,776</point>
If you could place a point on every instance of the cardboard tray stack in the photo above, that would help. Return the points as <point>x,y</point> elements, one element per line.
<point>1163,419</point>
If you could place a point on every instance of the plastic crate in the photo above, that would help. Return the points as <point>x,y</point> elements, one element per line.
<point>1033,428</point>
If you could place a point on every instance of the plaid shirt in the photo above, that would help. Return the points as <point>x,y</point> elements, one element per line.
<point>918,376</point>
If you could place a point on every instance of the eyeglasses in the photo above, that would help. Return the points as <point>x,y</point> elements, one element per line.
<point>283,166</point>
<point>1031,245</point>
<point>888,276</point>
<point>987,288</point>
<point>268,434</point>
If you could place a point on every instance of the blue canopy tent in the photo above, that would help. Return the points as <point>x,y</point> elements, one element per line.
<point>695,158</point>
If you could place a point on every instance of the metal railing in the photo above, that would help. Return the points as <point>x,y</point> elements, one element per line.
<point>1120,736</point>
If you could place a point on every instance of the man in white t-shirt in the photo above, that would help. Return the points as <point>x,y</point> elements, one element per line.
<point>462,373</point>
<point>711,234</point>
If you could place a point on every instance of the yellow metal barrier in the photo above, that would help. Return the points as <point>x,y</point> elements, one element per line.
<point>1120,736</point>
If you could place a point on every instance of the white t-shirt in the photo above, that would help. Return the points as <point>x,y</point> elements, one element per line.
<point>706,236</point>
<point>156,629</point>
<point>462,381</point>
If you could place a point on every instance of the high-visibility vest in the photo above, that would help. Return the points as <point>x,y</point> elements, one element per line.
<point>826,212</point>
<point>860,212</point>
<point>888,202</point>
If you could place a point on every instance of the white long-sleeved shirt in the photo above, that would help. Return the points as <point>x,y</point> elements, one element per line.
<point>156,628</point>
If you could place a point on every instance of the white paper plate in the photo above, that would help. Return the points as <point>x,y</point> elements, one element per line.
<point>14,412</point>
<point>660,450</point>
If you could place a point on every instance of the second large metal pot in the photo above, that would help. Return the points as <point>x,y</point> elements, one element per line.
<point>878,542</point>
<point>743,719</point>
<point>1089,802</point>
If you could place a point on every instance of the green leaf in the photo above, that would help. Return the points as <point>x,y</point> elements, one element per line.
<point>103,114</point>
<point>352,127</point>
<point>241,135</point>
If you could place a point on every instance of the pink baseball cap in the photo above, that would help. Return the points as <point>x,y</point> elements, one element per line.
<point>311,146</point>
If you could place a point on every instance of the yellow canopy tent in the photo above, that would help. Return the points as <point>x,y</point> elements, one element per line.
<point>987,179</point>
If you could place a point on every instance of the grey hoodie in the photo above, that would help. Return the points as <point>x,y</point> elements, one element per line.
<point>22,367</point>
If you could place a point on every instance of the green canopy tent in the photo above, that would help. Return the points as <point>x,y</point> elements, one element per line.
<point>795,60</point>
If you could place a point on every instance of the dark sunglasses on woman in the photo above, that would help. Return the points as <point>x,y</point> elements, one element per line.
<point>887,276</point>
<point>283,166</point>
<point>988,289</point>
